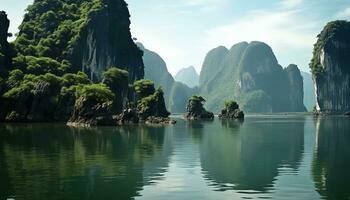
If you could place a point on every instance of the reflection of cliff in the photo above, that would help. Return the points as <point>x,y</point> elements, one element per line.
<point>331,161</point>
<point>248,156</point>
<point>55,162</point>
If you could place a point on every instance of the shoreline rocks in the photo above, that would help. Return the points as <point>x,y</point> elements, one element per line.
<point>231,111</point>
<point>196,111</point>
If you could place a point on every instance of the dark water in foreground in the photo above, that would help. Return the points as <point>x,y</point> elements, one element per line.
<point>266,157</point>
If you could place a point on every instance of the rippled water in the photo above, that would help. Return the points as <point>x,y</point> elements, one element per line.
<point>266,157</point>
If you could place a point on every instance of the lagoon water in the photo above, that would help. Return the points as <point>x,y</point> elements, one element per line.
<point>264,157</point>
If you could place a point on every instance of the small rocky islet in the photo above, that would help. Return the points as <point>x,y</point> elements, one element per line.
<point>231,111</point>
<point>196,110</point>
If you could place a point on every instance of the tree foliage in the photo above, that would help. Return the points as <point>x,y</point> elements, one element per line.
<point>144,88</point>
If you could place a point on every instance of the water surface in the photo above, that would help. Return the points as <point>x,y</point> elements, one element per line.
<point>264,157</point>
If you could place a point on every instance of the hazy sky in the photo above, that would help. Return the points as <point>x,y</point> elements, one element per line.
<point>183,31</point>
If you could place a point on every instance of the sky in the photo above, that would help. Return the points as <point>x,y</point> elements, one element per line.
<point>183,31</point>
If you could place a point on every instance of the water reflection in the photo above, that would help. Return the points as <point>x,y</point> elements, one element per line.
<point>47,161</point>
<point>331,164</point>
<point>247,156</point>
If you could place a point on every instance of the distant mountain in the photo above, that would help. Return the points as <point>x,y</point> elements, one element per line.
<point>176,94</point>
<point>309,91</point>
<point>188,76</point>
<point>250,74</point>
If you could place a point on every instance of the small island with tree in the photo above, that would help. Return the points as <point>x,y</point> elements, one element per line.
<point>195,109</point>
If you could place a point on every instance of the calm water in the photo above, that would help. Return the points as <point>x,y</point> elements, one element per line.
<point>264,157</point>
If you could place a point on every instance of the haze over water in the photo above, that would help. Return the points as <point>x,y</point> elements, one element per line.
<point>267,157</point>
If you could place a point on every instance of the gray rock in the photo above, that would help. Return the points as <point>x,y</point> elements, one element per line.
<point>330,67</point>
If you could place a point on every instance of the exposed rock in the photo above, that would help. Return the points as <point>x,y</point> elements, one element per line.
<point>160,120</point>
<point>128,116</point>
<point>176,94</point>
<point>231,111</point>
<point>212,64</point>
<point>250,73</point>
<point>188,76</point>
<point>152,106</point>
<point>106,41</point>
<point>309,91</point>
<point>33,100</point>
<point>5,49</point>
<point>91,113</point>
<point>89,36</point>
<point>330,68</point>
<point>296,89</point>
<point>195,109</point>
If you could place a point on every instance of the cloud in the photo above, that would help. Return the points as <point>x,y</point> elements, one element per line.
<point>203,2</point>
<point>281,29</point>
<point>288,32</point>
<point>343,14</point>
<point>291,3</point>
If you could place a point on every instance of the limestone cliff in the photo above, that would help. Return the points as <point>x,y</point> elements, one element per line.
<point>296,88</point>
<point>176,94</point>
<point>188,76</point>
<point>309,91</point>
<point>88,36</point>
<point>331,68</point>
<point>250,74</point>
<point>5,52</point>
<point>106,41</point>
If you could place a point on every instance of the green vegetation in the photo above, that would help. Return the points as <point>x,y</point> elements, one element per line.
<point>176,94</point>
<point>153,105</point>
<point>44,82</point>
<point>40,65</point>
<point>98,93</point>
<point>195,109</point>
<point>248,72</point>
<point>52,28</point>
<point>197,99</point>
<point>231,105</point>
<point>333,31</point>
<point>117,80</point>
<point>144,88</point>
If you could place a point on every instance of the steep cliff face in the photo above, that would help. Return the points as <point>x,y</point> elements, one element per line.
<point>106,41</point>
<point>331,68</point>
<point>296,88</point>
<point>5,52</point>
<point>57,40</point>
<point>188,76</point>
<point>250,74</point>
<point>211,63</point>
<point>309,91</point>
<point>88,36</point>
<point>176,94</point>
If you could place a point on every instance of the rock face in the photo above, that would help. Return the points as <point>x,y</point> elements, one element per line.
<point>330,68</point>
<point>188,76</point>
<point>91,113</point>
<point>250,73</point>
<point>231,111</point>
<point>211,63</point>
<point>176,94</point>
<point>5,50</point>
<point>90,35</point>
<point>309,91</point>
<point>195,109</point>
<point>296,88</point>
<point>106,41</point>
